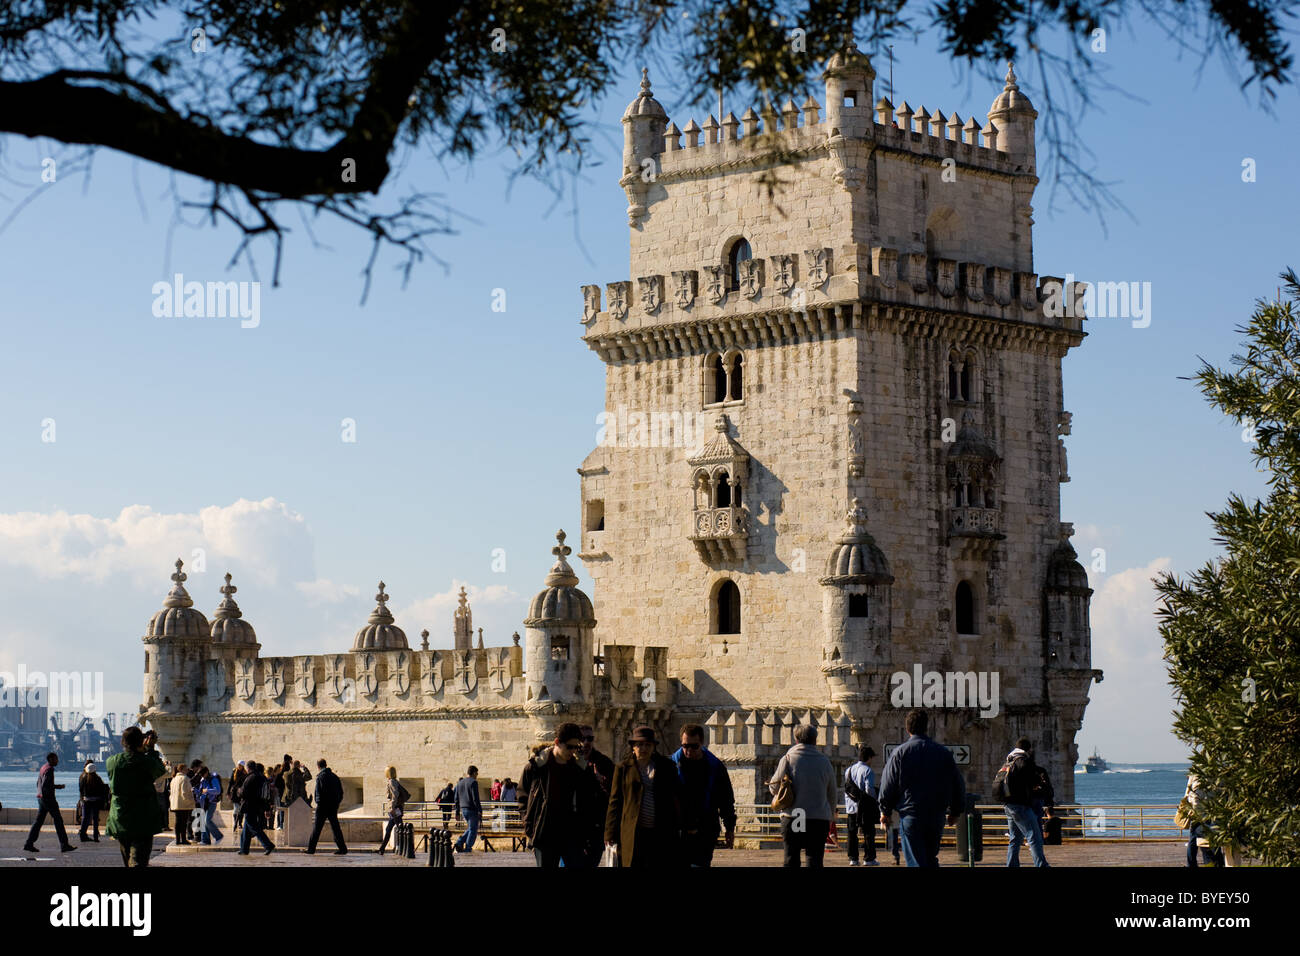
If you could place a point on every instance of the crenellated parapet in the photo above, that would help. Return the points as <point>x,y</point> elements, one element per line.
<point>755,735</point>
<point>398,680</point>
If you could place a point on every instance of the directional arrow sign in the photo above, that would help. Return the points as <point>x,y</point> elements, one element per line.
<point>960,752</point>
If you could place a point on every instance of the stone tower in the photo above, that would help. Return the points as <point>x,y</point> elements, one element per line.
<point>868,340</point>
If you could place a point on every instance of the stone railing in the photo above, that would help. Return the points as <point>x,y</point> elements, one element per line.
<point>974,521</point>
<point>720,533</point>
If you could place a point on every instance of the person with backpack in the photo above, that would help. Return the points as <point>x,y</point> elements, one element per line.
<point>253,796</point>
<point>207,795</point>
<point>805,778</point>
<point>329,797</point>
<point>1017,786</point>
<point>397,797</point>
<point>861,807</point>
<point>446,798</point>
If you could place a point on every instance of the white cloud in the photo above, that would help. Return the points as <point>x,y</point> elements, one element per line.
<point>1129,716</point>
<point>435,613</point>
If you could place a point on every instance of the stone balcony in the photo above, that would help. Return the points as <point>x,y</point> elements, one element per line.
<point>720,534</point>
<point>975,522</point>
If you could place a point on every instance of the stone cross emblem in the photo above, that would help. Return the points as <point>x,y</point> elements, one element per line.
<point>401,678</point>
<point>616,294</point>
<point>335,678</point>
<point>652,292</point>
<point>306,682</point>
<point>431,672</point>
<point>367,680</point>
<point>715,283</point>
<point>783,273</point>
<point>466,675</point>
<point>499,678</point>
<point>274,678</point>
<point>684,288</point>
<point>216,679</point>
<point>751,277</point>
<point>590,302</point>
<point>244,683</point>
<point>945,276</point>
<point>818,262</point>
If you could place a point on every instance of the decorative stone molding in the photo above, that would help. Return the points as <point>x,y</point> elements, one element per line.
<point>817,264</point>
<point>783,269</point>
<point>590,302</point>
<point>857,456</point>
<point>685,286</point>
<point>652,292</point>
<point>751,277</point>
<point>617,295</point>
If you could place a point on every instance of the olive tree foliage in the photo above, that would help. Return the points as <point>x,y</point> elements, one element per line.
<point>1232,630</point>
<point>276,104</point>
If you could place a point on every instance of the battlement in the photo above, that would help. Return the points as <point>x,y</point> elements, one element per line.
<point>804,131</point>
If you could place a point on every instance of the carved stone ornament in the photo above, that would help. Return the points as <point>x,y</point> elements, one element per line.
<point>652,292</point>
<point>914,266</point>
<point>1001,282</point>
<point>400,678</point>
<point>367,679</point>
<point>335,676</point>
<point>974,284</point>
<point>245,685</point>
<point>431,672</point>
<point>499,678</point>
<point>685,285</point>
<point>274,679</point>
<point>617,295</point>
<point>751,277</point>
<point>783,273</point>
<point>817,264</point>
<point>884,263</point>
<point>945,277</point>
<point>715,283</point>
<point>305,683</point>
<point>215,678</point>
<point>1027,286</point>
<point>466,672</point>
<point>590,302</point>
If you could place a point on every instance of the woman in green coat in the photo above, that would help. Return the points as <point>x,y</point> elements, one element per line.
<point>135,815</point>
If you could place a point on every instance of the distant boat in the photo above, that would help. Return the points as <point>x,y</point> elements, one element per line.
<point>1095,764</point>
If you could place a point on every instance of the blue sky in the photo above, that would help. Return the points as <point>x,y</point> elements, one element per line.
<point>174,434</point>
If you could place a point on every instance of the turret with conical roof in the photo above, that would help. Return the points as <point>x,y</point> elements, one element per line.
<point>559,647</point>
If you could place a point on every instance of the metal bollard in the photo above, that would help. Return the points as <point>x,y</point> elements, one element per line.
<point>432,841</point>
<point>451,855</point>
<point>398,833</point>
<point>409,844</point>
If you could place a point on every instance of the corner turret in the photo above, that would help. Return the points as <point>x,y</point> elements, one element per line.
<point>644,122</point>
<point>1013,116</point>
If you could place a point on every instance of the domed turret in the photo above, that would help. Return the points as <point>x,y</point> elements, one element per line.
<point>850,79</point>
<point>857,616</point>
<point>228,625</point>
<point>1064,572</point>
<point>643,140</point>
<point>559,647</point>
<point>1065,607</point>
<point>380,633</point>
<point>178,618</point>
<point>645,104</point>
<point>1014,117</point>
<point>561,601</point>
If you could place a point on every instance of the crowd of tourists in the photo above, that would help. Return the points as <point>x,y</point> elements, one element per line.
<point>580,809</point>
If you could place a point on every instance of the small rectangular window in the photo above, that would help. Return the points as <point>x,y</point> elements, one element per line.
<point>560,647</point>
<point>596,515</point>
<point>850,98</point>
<point>857,605</point>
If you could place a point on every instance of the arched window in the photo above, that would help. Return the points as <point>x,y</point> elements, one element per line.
<point>739,252</point>
<point>953,388</point>
<point>719,376</point>
<point>735,377</point>
<point>728,608</point>
<point>722,490</point>
<point>965,381</point>
<point>965,609</point>
<point>961,376</point>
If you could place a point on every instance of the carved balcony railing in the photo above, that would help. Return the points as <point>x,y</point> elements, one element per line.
<point>720,534</point>
<point>975,522</point>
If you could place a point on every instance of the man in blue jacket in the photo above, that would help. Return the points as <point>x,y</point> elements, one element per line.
<point>706,797</point>
<point>469,806</point>
<point>921,780</point>
<point>47,804</point>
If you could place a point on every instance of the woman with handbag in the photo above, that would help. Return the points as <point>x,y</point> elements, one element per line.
<point>805,793</point>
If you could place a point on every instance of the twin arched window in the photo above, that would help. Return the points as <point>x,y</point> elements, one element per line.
<point>724,378</point>
<point>961,376</point>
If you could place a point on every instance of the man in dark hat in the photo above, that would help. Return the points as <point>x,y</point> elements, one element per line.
<point>644,814</point>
